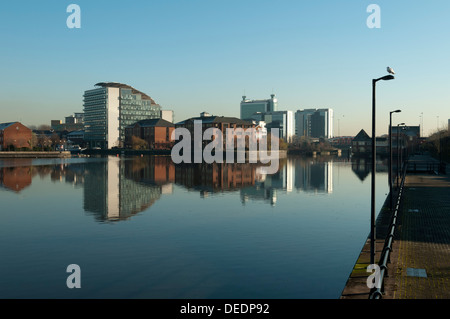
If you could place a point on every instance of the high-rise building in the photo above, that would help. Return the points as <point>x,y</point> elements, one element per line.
<point>282,120</point>
<point>314,123</point>
<point>111,107</point>
<point>249,107</point>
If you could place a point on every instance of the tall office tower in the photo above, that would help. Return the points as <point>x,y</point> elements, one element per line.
<point>282,120</point>
<point>314,123</point>
<point>249,107</point>
<point>109,108</point>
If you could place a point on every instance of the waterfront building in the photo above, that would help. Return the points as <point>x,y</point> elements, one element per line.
<point>341,141</point>
<point>316,123</point>
<point>362,145</point>
<point>213,121</point>
<point>14,135</point>
<point>110,108</point>
<point>156,132</point>
<point>76,138</point>
<point>282,120</point>
<point>249,107</point>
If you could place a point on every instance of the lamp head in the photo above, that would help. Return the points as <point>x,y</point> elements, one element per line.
<point>387,77</point>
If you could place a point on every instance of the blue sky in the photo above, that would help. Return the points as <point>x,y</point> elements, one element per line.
<point>195,55</point>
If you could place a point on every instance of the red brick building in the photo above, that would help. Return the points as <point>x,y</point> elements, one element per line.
<point>156,132</point>
<point>212,121</point>
<point>14,135</point>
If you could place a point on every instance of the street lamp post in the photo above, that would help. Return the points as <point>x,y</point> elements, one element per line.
<point>398,152</point>
<point>390,157</point>
<point>374,151</point>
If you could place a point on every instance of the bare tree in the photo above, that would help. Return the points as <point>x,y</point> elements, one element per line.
<point>138,143</point>
<point>44,127</point>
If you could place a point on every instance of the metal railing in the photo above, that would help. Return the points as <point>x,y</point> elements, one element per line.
<point>427,167</point>
<point>377,293</point>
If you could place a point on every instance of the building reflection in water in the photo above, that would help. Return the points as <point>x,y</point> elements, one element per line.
<point>15,177</point>
<point>118,188</point>
<point>313,175</point>
<point>215,177</point>
<point>17,174</point>
<point>362,167</point>
<point>299,173</point>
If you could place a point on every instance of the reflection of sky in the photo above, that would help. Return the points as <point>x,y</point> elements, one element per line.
<point>185,245</point>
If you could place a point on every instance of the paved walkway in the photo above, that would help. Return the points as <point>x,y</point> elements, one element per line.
<point>420,261</point>
<point>423,262</point>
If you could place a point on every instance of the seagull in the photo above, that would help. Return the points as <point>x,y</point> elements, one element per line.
<point>390,70</point>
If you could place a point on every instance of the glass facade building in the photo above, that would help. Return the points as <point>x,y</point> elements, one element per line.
<point>249,107</point>
<point>281,120</point>
<point>314,123</point>
<point>110,108</point>
<point>134,108</point>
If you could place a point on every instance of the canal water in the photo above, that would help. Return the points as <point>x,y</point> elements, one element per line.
<point>142,227</point>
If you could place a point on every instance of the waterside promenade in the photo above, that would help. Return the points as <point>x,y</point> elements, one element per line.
<point>419,265</point>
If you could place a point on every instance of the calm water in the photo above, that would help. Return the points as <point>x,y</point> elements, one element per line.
<point>144,228</point>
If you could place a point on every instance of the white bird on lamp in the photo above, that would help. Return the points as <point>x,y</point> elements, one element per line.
<point>390,70</point>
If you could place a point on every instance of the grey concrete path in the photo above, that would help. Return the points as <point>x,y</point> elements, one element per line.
<point>420,261</point>
<point>423,262</point>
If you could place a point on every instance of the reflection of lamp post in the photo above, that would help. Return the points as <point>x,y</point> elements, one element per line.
<point>398,151</point>
<point>440,151</point>
<point>374,152</point>
<point>421,124</point>
<point>339,128</point>
<point>390,156</point>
